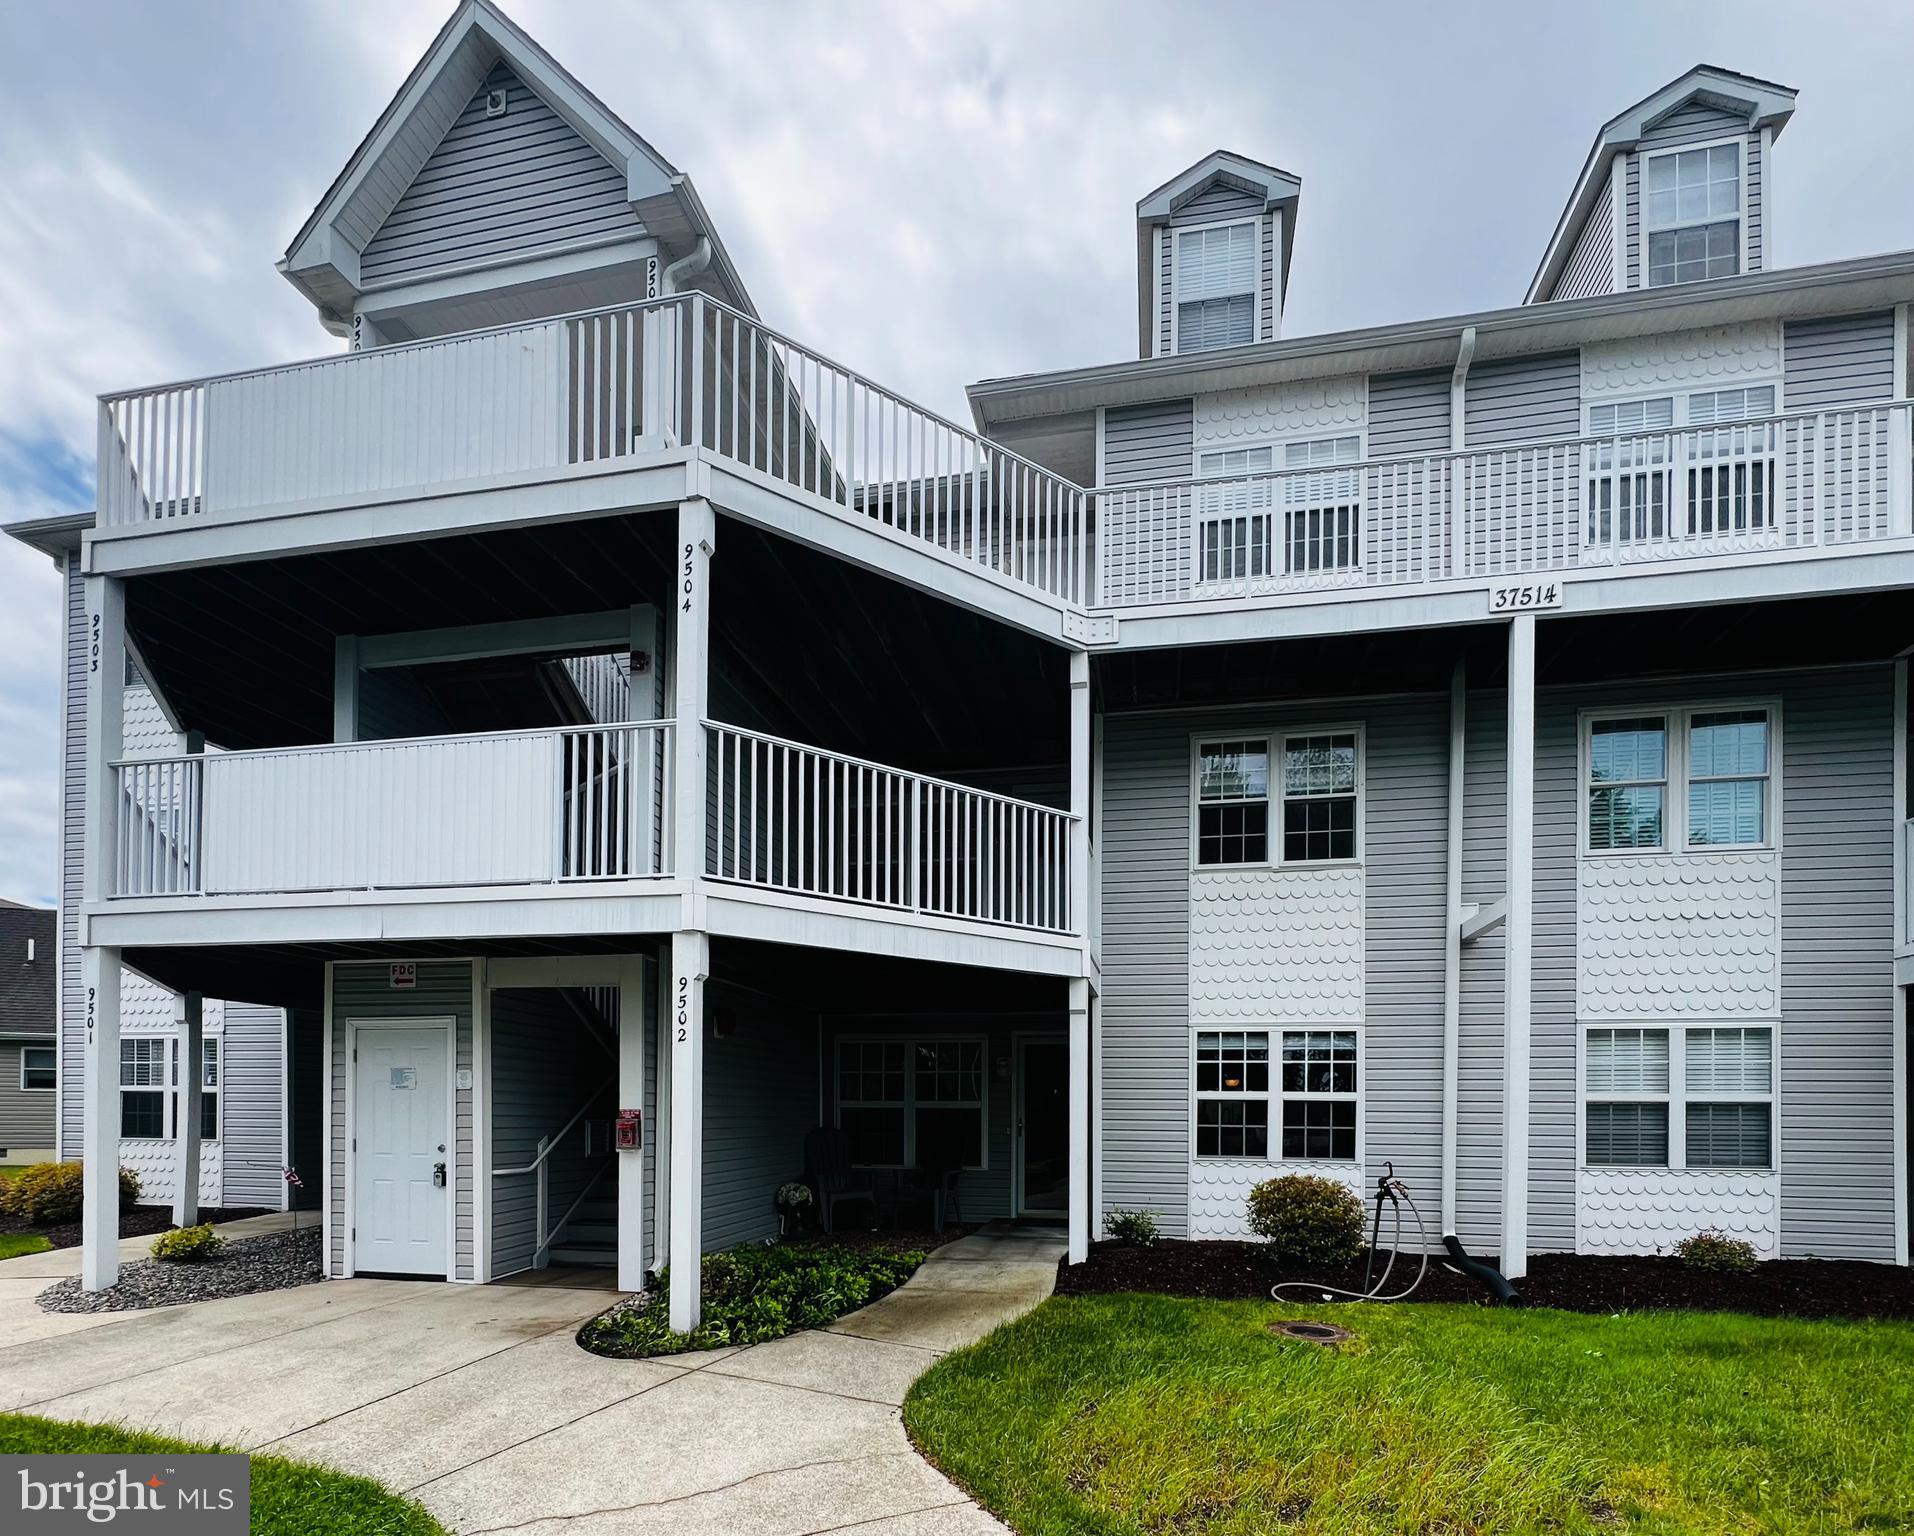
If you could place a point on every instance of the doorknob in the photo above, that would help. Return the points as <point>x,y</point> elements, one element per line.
<point>438,1175</point>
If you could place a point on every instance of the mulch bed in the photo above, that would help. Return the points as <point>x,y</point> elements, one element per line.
<point>1806,1288</point>
<point>887,1240</point>
<point>135,1221</point>
<point>244,1267</point>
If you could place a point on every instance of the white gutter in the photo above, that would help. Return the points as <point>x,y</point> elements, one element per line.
<point>686,266</point>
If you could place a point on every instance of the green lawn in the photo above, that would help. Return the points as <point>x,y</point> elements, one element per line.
<point>1128,1414</point>
<point>290,1498</point>
<point>13,1244</point>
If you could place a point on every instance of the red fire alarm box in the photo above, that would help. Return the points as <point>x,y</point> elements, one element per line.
<point>629,1129</point>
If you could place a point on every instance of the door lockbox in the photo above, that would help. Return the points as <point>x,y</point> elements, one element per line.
<point>629,1130</point>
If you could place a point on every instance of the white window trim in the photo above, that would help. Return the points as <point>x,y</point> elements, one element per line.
<point>169,1062</point>
<point>51,1050</point>
<point>909,1104</point>
<point>1681,394</point>
<point>1677,1096</point>
<point>218,1087</point>
<point>1279,442</point>
<point>1674,819</point>
<point>1174,234</point>
<point>1275,1094</point>
<point>1644,229</point>
<point>1276,736</point>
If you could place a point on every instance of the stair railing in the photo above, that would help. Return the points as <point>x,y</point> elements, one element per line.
<point>540,1167</point>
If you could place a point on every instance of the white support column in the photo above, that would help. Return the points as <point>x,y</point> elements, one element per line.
<point>690,967</point>
<point>631,1095</point>
<point>661,1136</point>
<point>192,1035</point>
<point>345,688</point>
<point>105,715</point>
<point>691,688</point>
<point>1081,997</point>
<point>1518,948</point>
<point>1080,798</point>
<point>100,1119</point>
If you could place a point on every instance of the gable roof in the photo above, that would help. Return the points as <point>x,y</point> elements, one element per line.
<point>27,989</point>
<point>1761,103</point>
<point>323,259</point>
<point>1276,187</point>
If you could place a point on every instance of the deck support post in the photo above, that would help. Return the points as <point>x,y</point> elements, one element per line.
<point>1082,1001</point>
<point>690,691</point>
<point>630,1166</point>
<point>690,967</point>
<point>192,1036</point>
<point>100,1119</point>
<point>1518,948</point>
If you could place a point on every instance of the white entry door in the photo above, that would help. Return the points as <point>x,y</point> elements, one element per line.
<point>401,1168</point>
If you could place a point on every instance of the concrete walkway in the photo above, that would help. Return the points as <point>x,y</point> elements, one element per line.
<point>476,1401</point>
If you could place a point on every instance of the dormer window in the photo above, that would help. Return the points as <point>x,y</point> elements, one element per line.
<point>1215,273</point>
<point>1693,217</point>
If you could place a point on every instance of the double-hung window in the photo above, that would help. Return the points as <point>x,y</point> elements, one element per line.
<point>1304,521</point>
<point>209,1089</point>
<point>1316,801</point>
<point>1309,1100</point>
<point>905,1103</point>
<point>1694,779</point>
<point>1692,213</point>
<point>39,1069</point>
<point>146,1083</point>
<point>1694,1097</point>
<point>1215,277</point>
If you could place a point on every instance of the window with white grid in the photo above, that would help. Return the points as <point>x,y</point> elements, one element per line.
<point>912,1103</point>
<point>1691,211</point>
<point>1314,804</point>
<point>1307,1096</point>
<point>146,1082</point>
<point>1694,1097</point>
<point>1692,779</point>
<point>1215,281</point>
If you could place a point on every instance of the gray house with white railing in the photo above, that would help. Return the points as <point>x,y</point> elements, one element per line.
<point>646,762</point>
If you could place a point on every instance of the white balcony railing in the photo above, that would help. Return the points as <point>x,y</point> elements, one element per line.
<point>584,391</point>
<point>1781,483</point>
<point>791,818</point>
<point>517,807</point>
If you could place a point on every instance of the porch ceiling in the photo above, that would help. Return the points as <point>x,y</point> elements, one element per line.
<point>804,645</point>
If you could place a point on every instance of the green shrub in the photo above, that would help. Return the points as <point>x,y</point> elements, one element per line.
<point>50,1194</point>
<point>752,1294</point>
<point>188,1245</point>
<point>1137,1227</point>
<point>1307,1220</point>
<point>1717,1253</point>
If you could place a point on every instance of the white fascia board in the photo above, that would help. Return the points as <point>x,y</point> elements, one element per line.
<point>581,261</point>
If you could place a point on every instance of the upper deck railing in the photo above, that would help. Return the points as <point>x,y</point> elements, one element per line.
<point>1779,483</point>
<point>586,392</point>
<point>602,389</point>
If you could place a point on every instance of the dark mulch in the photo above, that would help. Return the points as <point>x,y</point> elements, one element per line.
<point>886,1240</point>
<point>1807,1288</point>
<point>135,1221</point>
<point>244,1267</point>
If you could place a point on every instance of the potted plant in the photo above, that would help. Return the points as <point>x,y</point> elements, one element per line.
<point>792,1201</point>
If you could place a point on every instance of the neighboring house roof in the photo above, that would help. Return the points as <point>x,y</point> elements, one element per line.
<point>1277,188</point>
<point>323,259</point>
<point>1763,104</point>
<point>28,988</point>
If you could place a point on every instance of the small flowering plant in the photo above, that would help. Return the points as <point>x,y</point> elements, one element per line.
<point>794,1196</point>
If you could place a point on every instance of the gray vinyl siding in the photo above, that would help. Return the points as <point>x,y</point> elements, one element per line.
<point>1146,967</point>
<point>1408,413</point>
<point>760,1097</point>
<point>1148,442</point>
<point>72,857</point>
<point>364,992</point>
<point>1836,1056</point>
<point>1484,882</point>
<point>393,703</point>
<point>1632,220</point>
<point>1405,856</point>
<point>1756,205</point>
<point>1553,1104</point>
<point>251,1075</point>
<point>544,1065</point>
<point>26,1117</point>
<point>1591,265</point>
<point>501,187</point>
<point>1844,361</point>
<point>1523,399</point>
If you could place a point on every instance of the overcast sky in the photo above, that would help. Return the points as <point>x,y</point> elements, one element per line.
<point>931,193</point>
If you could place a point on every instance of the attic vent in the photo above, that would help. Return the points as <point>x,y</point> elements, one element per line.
<point>495,103</point>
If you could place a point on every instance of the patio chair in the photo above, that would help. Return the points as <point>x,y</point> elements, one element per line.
<point>827,1169</point>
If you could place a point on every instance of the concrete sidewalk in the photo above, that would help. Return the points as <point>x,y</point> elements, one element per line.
<point>476,1400</point>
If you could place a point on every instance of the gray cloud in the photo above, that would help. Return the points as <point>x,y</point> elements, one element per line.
<point>930,193</point>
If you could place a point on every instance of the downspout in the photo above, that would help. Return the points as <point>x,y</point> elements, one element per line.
<point>1452,949</point>
<point>1458,440</point>
<point>689,266</point>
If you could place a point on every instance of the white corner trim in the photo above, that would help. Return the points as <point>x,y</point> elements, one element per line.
<point>1899,1014</point>
<point>481,1127</point>
<point>326,1182</point>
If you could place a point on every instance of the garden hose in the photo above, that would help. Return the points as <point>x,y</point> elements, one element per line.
<point>1392,1189</point>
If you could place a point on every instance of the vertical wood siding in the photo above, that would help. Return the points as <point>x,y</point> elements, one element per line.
<point>365,992</point>
<point>498,187</point>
